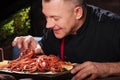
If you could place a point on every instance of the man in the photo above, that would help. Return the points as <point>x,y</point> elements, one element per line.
<point>82,34</point>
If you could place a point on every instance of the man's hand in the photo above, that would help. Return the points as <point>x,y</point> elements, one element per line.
<point>90,70</point>
<point>25,42</point>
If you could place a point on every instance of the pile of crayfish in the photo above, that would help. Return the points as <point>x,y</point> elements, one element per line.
<point>30,62</point>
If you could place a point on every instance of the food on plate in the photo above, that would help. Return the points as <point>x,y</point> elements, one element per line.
<point>4,64</point>
<point>29,62</point>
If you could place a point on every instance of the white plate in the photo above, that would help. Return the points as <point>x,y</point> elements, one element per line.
<point>47,74</point>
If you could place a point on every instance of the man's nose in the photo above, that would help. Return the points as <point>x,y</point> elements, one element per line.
<point>50,24</point>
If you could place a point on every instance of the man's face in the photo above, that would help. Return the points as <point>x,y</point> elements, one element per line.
<point>60,17</point>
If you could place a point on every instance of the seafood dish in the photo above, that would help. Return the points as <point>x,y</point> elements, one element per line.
<point>28,61</point>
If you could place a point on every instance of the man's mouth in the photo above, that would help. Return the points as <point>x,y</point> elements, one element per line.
<point>56,30</point>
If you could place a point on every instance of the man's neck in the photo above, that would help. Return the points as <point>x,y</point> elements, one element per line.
<point>80,22</point>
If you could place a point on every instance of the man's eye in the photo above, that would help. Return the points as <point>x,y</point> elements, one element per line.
<point>56,19</point>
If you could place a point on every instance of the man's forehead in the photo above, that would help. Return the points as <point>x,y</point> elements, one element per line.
<point>51,6</point>
<point>53,3</point>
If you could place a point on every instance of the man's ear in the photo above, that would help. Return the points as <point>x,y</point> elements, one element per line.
<point>79,12</point>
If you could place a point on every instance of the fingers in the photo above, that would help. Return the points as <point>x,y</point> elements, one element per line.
<point>86,73</point>
<point>23,42</point>
<point>18,41</point>
<point>79,68</point>
<point>27,41</point>
<point>85,70</point>
<point>38,49</point>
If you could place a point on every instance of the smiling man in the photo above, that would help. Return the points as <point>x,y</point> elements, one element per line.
<point>64,19</point>
<point>79,33</point>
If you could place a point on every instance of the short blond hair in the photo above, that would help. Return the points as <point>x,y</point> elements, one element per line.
<point>77,2</point>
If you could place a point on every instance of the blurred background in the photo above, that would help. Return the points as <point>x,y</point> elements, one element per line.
<point>24,17</point>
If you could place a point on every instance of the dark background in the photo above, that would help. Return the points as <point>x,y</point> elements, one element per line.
<point>8,7</point>
<point>111,5</point>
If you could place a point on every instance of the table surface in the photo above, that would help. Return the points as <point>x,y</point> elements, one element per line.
<point>67,76</point>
